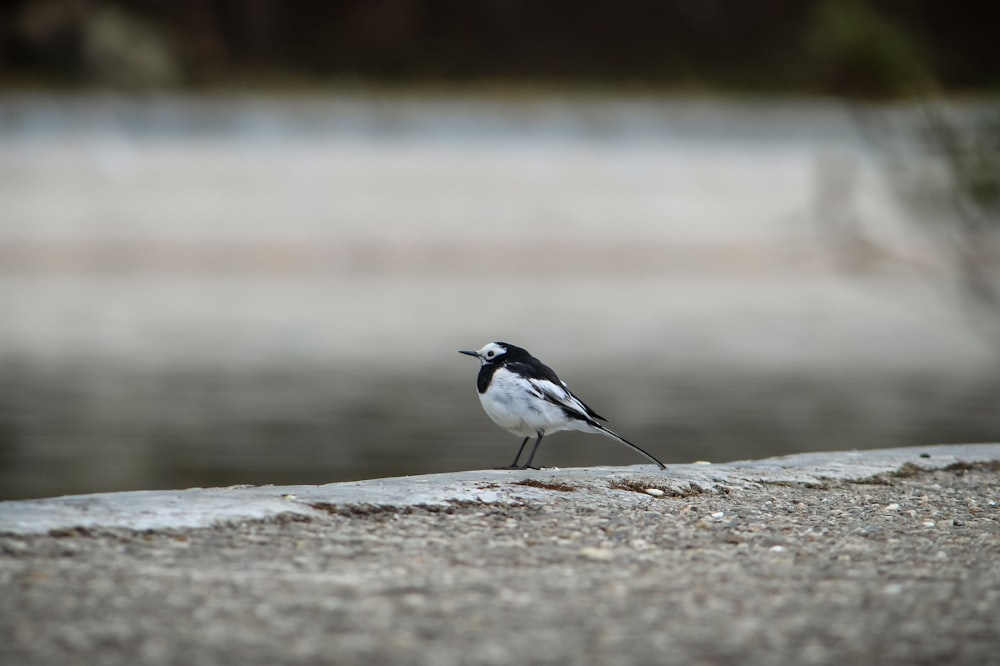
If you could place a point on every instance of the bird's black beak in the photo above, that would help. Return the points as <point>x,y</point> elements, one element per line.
<point>468,353</point>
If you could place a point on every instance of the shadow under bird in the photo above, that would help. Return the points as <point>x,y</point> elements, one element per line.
<point>525,397</point>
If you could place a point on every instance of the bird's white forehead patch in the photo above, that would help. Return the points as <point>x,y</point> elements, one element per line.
<point>492,350</point>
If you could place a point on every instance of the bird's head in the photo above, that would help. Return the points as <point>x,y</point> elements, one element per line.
<point>494,352</point>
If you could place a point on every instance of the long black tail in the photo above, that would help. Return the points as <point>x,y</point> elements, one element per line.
<point>615,436</point>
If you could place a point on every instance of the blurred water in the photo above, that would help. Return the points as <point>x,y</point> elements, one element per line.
<point>204,291</point>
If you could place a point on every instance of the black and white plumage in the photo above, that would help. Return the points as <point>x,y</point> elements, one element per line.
<point>525,397</point>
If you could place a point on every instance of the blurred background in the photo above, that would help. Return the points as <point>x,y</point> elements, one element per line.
<point>242,242</point>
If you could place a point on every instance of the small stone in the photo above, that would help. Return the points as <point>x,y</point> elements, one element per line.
<point>718,514</point>
<point>14,547</point>
<point>597,554</point>
<point>928,523</point>
<point>892,507</point>
<point>776,549</point>
<point>655,492</point>
<point>958,522</point>
<point>892,588</point>
<point>701,462</point>
<point>414,599</point>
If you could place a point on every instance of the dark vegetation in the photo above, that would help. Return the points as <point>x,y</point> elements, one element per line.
<point>856,48</point>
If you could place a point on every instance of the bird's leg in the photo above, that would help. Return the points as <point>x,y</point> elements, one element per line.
<point>538,441</point>
<point>513,465</point>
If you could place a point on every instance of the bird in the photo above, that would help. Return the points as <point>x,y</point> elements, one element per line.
<point>525,397</point>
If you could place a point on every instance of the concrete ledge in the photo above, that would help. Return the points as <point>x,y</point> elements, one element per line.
<point>841,559</point>
<point>205,507</point>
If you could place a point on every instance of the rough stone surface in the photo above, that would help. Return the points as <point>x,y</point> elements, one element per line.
<point>854,558</point>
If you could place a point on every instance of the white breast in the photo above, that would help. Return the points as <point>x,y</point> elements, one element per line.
<point>516,406</point>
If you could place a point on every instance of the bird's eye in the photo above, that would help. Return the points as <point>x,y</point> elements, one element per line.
<point>490,354</point>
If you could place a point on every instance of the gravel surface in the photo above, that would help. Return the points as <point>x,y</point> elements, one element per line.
<point>901,567</point>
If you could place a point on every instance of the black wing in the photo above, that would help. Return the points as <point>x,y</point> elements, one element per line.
<point>557,392</point>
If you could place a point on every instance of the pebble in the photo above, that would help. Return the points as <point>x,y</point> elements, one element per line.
<point>597,554</point>
<point>655,492</point>
<point>892,507</point>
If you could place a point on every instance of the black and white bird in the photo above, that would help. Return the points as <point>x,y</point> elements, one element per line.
<point>525,397</point>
